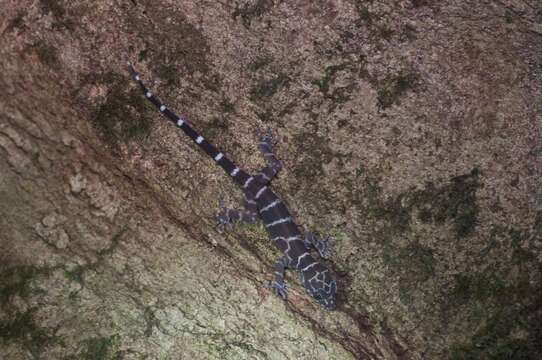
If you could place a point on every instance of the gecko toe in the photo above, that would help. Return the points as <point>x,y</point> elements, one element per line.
<point>222,220</point>
<point>325,247</point>
<point>279,289</point>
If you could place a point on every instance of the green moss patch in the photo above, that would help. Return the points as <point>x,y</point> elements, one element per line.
<point>414,263</point>
<point>120,117</point>
<point>75,274</point>
<point>17,280</point>
<point>521,255</point>
<point>268,88</point>
<point>369,201</point>
<point>450,202</point>
<point>175,49</point>
<point>455,201</point>
<point>56,8</point>
<point>315,152</point>
<point>393,87</point>
<point>354,66</point>
<point>227,106</point>
<point>99,348</point>
<point>364,15</point>
<point>504,337</point>
<point>329,74</point>
<point>47,54</point>
<point>478,287</point>
<point>17,22</point>
<point>22,328</point>
<point>16,325</point>
<point>259,63</point>
<point>216,127</point>
<point>503,304</point>
<point>249,12</point>
<point>511,320</point>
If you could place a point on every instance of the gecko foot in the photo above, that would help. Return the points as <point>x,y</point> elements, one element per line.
<point>266,136</point>
<point>278,288</point>
<point>223,221</point>
<point>324,246</point>
<point>223,218</point>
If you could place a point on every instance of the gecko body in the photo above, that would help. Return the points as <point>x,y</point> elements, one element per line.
<point>262,203</point>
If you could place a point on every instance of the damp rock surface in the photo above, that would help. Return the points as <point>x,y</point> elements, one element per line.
<point>410,132</point>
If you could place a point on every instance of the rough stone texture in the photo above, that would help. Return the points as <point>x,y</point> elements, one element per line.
<point>410,131</point>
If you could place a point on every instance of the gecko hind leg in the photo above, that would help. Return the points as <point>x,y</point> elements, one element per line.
<point>278,285</point>
<point>324,246</point>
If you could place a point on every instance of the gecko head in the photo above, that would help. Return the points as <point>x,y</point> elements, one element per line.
<point>321,285</point>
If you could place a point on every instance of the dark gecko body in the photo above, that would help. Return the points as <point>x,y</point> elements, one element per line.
<point>261,202</point>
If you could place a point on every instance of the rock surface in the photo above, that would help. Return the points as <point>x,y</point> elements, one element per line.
<point>411,131</point>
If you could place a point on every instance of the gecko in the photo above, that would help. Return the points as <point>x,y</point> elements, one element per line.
<point>263,204</point>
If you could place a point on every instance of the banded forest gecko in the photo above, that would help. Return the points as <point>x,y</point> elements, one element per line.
<point>261,202</point>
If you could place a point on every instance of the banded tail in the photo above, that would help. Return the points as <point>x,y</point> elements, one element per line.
<point>238,175</point>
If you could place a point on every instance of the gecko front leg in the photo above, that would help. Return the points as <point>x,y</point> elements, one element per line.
<point>278,285</point>
<point>274,165</point>
<point>322,245</point>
